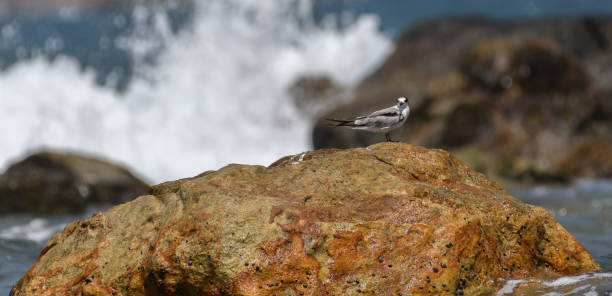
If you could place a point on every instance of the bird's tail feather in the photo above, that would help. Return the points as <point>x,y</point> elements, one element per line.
<point>340,122</point>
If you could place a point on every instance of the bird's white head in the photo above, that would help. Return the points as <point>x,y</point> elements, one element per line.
<point>402,102</point>
<point>404,109</point>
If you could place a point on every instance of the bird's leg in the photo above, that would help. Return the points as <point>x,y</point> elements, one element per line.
<point>388,137</point>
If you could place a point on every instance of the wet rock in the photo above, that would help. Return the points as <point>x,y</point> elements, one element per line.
<point>536,65</point>
<point>524,91</point>
<point>387,220</point>
<point>52,182</point>
<point>590,158</point>
<point>509,168</point>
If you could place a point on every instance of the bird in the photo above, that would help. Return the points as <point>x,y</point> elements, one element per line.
<point>381,121</point>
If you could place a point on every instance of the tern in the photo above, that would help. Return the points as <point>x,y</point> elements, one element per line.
<point>381,121</point>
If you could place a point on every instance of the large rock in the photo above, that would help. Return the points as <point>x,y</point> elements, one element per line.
<point>529,93</point>
<point>53,182</point>
<point>390,219</point>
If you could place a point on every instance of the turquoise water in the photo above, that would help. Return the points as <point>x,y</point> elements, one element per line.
<point>22,237</point>
<point>398,14</point>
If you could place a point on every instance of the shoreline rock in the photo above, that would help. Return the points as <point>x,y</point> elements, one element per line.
<point>54,182</point>
<point>391,218</point>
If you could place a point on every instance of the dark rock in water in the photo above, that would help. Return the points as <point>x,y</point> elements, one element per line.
<point>51,182</point>
<point>387,220</point>
<point>525,92</point>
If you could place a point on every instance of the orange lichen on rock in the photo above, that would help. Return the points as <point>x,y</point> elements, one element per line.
<point>389,219</point>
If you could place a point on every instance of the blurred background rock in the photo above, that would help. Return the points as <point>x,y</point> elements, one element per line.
<point>522,101</point>
<point>52,182</point>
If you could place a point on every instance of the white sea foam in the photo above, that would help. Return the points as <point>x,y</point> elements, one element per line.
<point>509,287</point>
<point>571,280</point>
<point>216,95</point>
<point>584,284</point>
<point>37,229</point>
<point>591,188</point>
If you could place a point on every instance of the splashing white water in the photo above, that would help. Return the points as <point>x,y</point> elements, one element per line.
<point>38,230</point>
<point>216,95</point>
<point>584,284</point>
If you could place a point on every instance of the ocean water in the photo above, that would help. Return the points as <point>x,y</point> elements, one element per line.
<point>171,91</point>
<point>398,14</point>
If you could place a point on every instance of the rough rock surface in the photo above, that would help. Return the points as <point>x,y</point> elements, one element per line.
<point>52,182</point>
<point>385,220</point>
<point>528,93</point>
